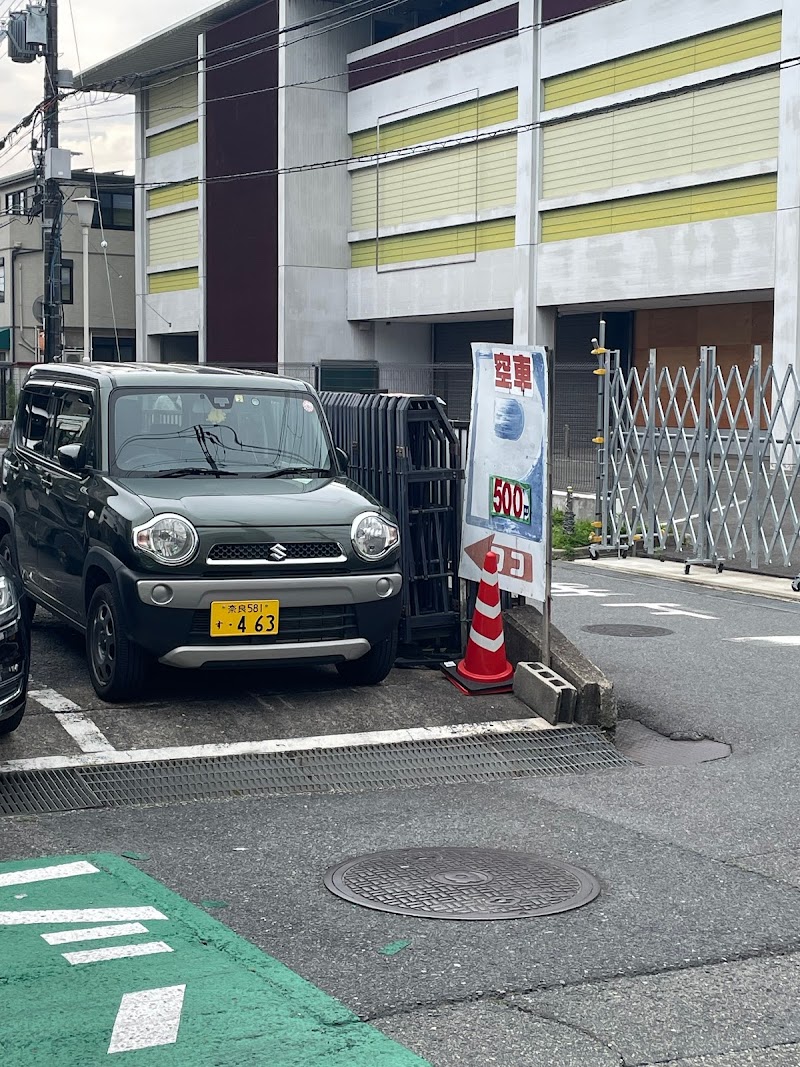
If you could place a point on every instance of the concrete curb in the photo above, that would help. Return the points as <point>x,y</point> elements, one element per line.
<point>596,704</point>
<point>727,582</point>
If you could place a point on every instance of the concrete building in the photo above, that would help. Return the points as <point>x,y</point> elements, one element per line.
<point>320,185</point>
<point>111,287</point>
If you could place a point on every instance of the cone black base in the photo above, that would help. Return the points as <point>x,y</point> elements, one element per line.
<point>472,688</point>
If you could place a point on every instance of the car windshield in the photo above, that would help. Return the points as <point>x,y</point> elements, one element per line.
<point>225,432</point>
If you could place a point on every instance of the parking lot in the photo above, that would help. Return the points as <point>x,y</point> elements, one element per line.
<point>195,708</point>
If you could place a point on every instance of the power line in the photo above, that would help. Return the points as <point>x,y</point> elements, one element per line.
<point>103,241</point>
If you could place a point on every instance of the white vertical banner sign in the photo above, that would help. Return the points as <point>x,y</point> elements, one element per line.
<point>505,493</point>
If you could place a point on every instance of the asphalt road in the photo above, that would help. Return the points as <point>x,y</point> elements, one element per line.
<point>691,954</point>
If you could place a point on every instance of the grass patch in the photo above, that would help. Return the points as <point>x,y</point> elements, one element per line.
<point>579,538</point>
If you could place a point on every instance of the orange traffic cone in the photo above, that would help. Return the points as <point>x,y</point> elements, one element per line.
<point>484,668</point>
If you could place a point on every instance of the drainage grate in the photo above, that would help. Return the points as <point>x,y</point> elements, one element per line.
<point>462,883</point>
<point>354,769</point>
<point>651,749</point>
<point>623,629</point>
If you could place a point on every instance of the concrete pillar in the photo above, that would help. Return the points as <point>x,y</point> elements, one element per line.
<point>532,325</point>
<point>786,340</point>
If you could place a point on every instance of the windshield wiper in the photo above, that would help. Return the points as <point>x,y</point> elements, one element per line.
<point>211,472</point>
<point>295,472</point>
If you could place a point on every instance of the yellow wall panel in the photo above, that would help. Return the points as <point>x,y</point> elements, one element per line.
<point>436,244</point>
<point>173,281</point>
<point>171,140</point>
<point>175,98</point>
<point>170,195</point>
<point>703,130</point>
<point>709,50</point>
<point>453,181</point>
<point>173,238</point>
<point>470,115</point>
<point>746,196</point>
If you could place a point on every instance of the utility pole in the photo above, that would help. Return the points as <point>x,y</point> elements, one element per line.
<point>51,215</point>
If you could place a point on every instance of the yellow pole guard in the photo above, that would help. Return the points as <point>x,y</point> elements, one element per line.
<point>598,440</point>
<point>600,371</point>
<point>595,539</point>
<point>638,537</point>
<point>597,525</point>
<point>599,351</point>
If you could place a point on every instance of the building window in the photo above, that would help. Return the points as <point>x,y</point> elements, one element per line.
<point>66,281</point>
<point>17,203</point>
<point>2,281</point>
<point>115,209</point>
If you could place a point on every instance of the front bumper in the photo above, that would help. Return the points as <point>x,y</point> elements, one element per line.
<point>326,619</point>
<point>316,651</point>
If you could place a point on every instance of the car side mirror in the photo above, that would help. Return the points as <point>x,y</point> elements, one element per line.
<point>343,458</point>
<point>72,458</point>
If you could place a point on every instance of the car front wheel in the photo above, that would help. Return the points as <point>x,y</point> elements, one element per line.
<point>117,666</point>
<point>372,668</point>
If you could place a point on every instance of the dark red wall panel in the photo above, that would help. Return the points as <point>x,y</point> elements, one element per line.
<point>241,224</point>
<point>465,37</point>
<point>558,9</point>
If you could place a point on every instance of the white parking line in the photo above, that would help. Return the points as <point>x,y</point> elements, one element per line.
<point>83,731</point>
<point>46,874</point>
<point>115,952</point>
<point>148,1019</point>
<point>93,933</point>
<point>789,639</point>
<point>52,700</point>
<point>288,744</point>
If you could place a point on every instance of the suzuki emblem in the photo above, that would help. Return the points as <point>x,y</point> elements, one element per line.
<point>278,553</point>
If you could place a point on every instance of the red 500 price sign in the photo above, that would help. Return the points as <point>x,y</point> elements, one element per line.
<point>511,500</point>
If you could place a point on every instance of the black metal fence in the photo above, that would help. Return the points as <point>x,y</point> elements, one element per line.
<point>404,451</point>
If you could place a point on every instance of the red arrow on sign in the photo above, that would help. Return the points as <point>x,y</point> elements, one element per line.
<point>477,552</point>
<point>512,562</point>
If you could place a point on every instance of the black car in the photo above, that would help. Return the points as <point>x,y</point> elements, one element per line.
<point>199,517</point>
<point>14,650</point>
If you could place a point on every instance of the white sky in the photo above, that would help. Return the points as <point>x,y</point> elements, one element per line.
<point>103,28</point>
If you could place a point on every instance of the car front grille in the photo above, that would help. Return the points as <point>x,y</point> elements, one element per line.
<point>276,552</point>
<point>331,622</point>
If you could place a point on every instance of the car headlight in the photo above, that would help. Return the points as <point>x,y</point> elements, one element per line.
<point>373,537</point>
<point>169,539</point>
<point>8,596</point>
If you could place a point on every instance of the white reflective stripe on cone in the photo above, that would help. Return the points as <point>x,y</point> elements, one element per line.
<point>489,644</point>
<point>489,611</point>
<point>490,578</point>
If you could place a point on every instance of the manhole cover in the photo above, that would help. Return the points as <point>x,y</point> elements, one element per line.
<point>461,883</point>
<point>622,629</point>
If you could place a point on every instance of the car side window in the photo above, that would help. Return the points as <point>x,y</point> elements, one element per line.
<point>35,416</point>
<point>74,424</point>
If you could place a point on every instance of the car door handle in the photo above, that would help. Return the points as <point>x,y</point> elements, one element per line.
<point>47,481</point>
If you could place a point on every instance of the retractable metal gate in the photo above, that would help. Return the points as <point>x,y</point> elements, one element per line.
<point>700,459</point>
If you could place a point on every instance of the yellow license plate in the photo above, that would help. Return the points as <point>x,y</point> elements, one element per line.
<point>235,618</point>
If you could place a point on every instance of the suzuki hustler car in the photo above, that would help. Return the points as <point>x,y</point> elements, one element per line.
<point>199,517</point>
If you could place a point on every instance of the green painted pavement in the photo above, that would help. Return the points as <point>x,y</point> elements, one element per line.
<point>201,996</point>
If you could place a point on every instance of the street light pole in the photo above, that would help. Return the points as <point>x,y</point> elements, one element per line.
<point>86,206</point>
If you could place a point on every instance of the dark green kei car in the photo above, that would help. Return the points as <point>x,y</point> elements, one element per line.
<point>195,516</point>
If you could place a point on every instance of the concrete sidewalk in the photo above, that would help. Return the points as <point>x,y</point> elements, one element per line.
<point>728,581</point>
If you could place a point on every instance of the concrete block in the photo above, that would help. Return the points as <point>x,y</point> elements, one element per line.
<point>596,704</point>
<point>545,692</point>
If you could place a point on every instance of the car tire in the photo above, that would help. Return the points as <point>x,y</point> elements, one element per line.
<point>28,605</point>
<point>372,668</point>
<point>117,666</point>
<point>9,725</point>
